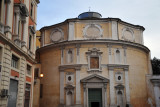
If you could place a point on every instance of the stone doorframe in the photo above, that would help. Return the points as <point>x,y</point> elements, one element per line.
<point>95,81</point>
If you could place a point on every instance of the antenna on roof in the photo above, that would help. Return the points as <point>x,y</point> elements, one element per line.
<point>89,9</point>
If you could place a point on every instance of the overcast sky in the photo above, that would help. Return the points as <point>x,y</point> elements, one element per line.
<point>139,12</point>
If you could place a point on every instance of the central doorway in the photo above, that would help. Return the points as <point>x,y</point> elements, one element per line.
<point>95,97</point>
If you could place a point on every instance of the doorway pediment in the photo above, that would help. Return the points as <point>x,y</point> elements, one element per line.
<point>94,79</point>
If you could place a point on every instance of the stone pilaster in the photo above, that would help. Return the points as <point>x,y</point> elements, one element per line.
<point>127,86</point>
<point>8,12</point>
<point>112,90</point>
<point>7,27</point>
<point>78,55</point>
<point>84,95</point>
<point>17,12</point>
<point>125,54</point>
<point>78,88</point>
<point>61,87</point>
<point>105,94</point>
<point>156,84</point>
<point>21,86</point>
<point>62,55</point>
<point>109,54</point>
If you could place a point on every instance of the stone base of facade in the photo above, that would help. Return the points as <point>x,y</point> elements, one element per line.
<point>113,105</point>
<point>127,105</point>
<point>63,105</point>
<point>78,105</point>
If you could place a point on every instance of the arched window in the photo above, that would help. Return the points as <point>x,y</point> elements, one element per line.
<point>119,99</point>
<point>70,56</point>
<point>69,98</point>
<point>118,60</point>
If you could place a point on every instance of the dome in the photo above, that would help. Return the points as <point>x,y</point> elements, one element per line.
<point>87,15</point>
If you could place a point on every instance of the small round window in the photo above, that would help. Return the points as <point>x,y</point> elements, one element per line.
<point>69,78</point>
<point>119,77</point>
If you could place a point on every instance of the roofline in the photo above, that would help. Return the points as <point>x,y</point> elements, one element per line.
<point>105,19</point>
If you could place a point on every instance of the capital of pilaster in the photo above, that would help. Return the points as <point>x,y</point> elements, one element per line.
<point>62,47</point>
<point>109,45</point>
<point>78,45</point>
<point>78,68</point>
<point>156,82</point>
<point>17,10</point>
<point>23,43</point>
<point>84,86</point>
<point>7,29</point>
<point>110,68</point>
<point>124,47</point>
<point>126,69</point>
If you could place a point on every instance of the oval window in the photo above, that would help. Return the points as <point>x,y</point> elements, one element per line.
<point>69,78</point>
<point>119,77</point>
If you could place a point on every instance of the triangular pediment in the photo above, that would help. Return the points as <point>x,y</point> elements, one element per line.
<point>95,78</point>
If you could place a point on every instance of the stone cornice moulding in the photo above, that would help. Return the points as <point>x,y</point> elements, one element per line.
<point>14,46</point>
<point>95,20</point>
<point>62,68</point>
<point>86,79</point>
<point>155,80</point>
<point>94,52</point>
<point>119,87</point>
<point>117,66</point>
<point>97,41</point>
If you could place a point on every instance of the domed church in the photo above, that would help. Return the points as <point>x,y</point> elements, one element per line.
<point>90,61</point>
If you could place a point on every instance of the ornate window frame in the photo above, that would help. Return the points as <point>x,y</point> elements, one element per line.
<point>119,77</point>
<point>94,52</point>
<point>70,75</point>
<point>92,25</point>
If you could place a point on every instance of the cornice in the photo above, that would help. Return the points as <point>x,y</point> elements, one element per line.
<point>97,41</point>
<point>94,19</point>
<point>118,66</point>
<point>15,47</point>
<point>62,68</point>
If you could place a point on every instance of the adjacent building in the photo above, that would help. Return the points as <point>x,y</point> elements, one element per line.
<point>92,61</point>
<point>17,52</point>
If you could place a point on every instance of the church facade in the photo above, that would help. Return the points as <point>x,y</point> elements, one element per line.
<point>91,61</point>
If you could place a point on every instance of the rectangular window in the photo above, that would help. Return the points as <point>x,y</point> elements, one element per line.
<point>27,95</point>
<point>30,41</point>
<point>14,62</point>
<point>29,69</point>
<point>31,10</point>
<point>36,72</point>
<point>94,62</point>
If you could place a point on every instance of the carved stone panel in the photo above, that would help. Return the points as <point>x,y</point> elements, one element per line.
<point>92,31</point>
<point>128,34</point>
<point>56,35</point>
